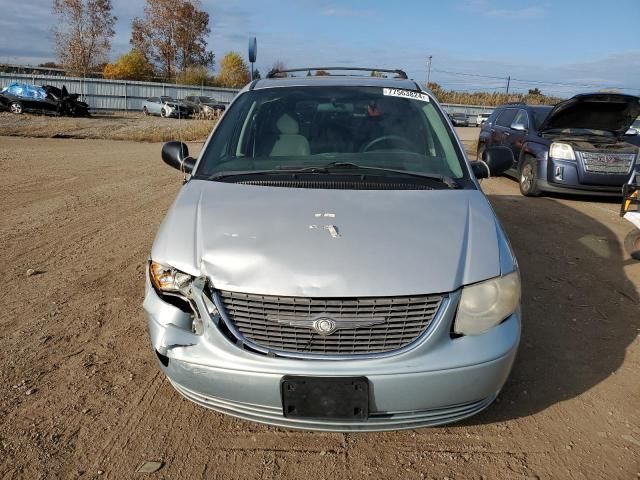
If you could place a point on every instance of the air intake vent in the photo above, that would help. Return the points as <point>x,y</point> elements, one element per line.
<point>335,185</point>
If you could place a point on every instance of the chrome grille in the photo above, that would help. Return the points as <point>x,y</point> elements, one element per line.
<point>265,321</point>
<point>611,163</point>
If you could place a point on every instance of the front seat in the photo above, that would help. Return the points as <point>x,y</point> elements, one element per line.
<point>289,142</point>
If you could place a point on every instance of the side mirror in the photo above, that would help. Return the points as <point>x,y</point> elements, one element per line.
<point>519,127</point>
<point>631,132</point>
<point>498,159</point>
<point>480,170</point>
<point>176,155</point>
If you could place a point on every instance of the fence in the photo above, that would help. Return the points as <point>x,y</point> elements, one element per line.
<point>124,95</point>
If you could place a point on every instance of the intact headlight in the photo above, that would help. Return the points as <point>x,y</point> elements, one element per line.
<point>562,151</point>
<point>486,304</point>
<point>169,280</point>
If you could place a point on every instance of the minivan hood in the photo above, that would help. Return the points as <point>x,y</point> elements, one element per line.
<point>613,112</point>
<point>279,241</point>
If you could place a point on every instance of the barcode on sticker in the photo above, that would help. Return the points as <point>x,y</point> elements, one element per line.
<point>397,92</point>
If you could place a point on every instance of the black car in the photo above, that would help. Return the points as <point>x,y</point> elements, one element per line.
<point>202,104</point>
<point>578,146</point>
<point>57,102</point>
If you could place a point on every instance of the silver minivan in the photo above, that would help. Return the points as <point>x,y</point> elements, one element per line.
<point>331,262</point>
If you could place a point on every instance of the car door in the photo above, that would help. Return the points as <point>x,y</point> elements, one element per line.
<point>518,131</point>
<point>501,129</point>
<point>155,105</point>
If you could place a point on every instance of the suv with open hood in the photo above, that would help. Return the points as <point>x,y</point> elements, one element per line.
<point>331,262</point>
<point>578,146</point>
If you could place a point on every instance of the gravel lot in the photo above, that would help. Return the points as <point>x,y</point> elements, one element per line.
<point>81,395</point>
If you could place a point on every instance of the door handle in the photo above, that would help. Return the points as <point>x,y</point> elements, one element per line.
<point>506,134</point>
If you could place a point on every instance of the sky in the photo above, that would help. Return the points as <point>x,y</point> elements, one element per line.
<point>562,47</point>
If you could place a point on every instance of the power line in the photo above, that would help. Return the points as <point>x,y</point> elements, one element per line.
<point>533,82</point>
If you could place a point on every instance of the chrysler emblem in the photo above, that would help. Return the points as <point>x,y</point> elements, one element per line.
<point>324,326</point>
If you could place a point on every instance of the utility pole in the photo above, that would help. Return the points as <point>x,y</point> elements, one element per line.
<point>508,82</point>
<point>429,70</point>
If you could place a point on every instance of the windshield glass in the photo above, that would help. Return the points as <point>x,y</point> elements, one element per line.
<point>166,99</point>
<point>205,99</point>
<point>636,124</point>
<point>539,114</point>
<point>300,127</point>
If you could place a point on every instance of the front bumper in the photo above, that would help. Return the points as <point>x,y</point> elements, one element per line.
<point>439,380</point>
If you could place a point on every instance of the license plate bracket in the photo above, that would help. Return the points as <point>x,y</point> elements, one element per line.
<point>345,398</point>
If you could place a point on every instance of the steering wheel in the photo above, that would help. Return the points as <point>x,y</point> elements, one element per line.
<point>385,138</point>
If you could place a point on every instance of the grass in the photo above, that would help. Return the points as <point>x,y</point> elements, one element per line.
<point>131,127</point>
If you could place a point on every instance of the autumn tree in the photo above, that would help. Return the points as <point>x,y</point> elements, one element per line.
<point>322,73</point>
<point>130,66</point>
<point>83,33</point>
<point>172,35</point>
<point>234,72</point>
<point>194,76</point>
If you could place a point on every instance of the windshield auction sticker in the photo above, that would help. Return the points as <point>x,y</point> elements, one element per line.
<point>396,92</point>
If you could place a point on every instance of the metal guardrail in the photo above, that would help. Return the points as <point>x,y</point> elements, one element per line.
<point>123,95</point>
<point>128,95</point>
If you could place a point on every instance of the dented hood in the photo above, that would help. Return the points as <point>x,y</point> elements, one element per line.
<point>329,243</point>
<point>612,112</point>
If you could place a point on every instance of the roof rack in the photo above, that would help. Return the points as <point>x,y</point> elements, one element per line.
<point>274,73</point>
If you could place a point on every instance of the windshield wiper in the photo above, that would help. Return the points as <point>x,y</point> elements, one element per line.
<point>444,179</point>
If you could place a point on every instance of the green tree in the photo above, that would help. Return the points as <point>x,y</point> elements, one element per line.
<point>130,66</point>
<point>256,74</point>
<point>234,72</point>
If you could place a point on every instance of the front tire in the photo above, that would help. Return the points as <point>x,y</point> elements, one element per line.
<point>15,107</point>
<point>145,112</point>
<point>163,113</point>
<point>528,178</point>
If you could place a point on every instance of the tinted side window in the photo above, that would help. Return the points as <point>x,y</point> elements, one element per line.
<point>523,118</point>
<point>505,119</point>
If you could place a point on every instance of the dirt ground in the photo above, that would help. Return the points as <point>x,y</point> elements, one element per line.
<point>81,395</point>
<point>116,126</point>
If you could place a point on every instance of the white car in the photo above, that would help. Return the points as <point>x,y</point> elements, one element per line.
<point>481,118</point>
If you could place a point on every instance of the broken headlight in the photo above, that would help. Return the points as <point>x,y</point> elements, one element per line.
<point>486,304</point>
<point>169,280</point>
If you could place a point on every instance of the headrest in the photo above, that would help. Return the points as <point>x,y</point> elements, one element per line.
<point>287,125</point>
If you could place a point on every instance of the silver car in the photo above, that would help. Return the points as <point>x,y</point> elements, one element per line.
<point>331,262</point>
<point>165,107</point>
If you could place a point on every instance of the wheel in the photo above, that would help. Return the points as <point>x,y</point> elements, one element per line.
<point>15,107</point>
<point>145,112</point>
<point>529,178</point>
<point>163,113</point>
<point>632,244</point>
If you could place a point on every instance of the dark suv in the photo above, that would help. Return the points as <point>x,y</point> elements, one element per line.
<point>577,146</point>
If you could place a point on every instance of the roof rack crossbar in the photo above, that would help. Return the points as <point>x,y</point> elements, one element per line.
<point>275,72</point>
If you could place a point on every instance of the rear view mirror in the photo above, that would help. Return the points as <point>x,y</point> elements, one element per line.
<point>498,159</point>
<point>176,155</point>
<point>480,170</point>
<point>519,127</point>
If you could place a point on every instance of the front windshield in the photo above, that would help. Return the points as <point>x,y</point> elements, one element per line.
<point>300,127</point>
<point>205,99</point>
<point>540,114</point>
<point>636,124</point>
<point>166,99</point>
